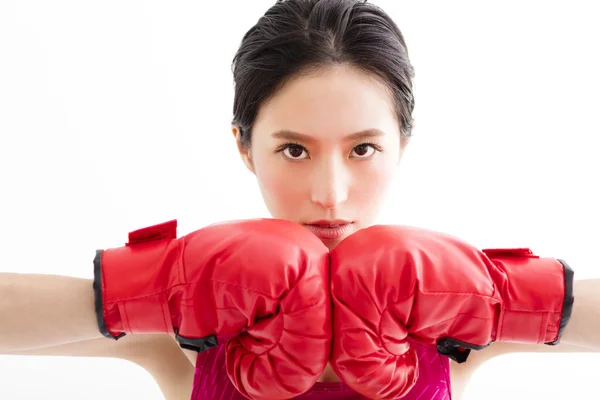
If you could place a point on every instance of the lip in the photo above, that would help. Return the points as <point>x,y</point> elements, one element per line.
<point>329,230</point>
<point>329,222</point>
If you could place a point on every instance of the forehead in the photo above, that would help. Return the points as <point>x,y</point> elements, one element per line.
<point>340,100</point>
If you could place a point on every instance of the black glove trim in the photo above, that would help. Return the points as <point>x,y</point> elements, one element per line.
<point>569,276</point>
<point>457,350</point>
<point>98,304</point>
<point>196,344</point>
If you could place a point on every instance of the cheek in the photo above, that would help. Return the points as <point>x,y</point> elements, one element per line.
<point>372,185</point>
<point>280,186</point>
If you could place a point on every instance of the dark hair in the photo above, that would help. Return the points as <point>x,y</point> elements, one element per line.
<point>296,37</point>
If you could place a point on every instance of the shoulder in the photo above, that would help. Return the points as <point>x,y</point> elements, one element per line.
<point>461,374</point>
<point>171,368</point>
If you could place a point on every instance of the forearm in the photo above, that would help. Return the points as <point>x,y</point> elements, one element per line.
<point>584,327</point>
<point>45,310</point>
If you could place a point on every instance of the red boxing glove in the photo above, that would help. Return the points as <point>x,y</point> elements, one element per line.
<point>392,285</point>
<point>265,281</point>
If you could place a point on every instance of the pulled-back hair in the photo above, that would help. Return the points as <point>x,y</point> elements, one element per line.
<point>298,37</point>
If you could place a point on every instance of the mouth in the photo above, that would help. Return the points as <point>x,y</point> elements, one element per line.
<point>329,230</point>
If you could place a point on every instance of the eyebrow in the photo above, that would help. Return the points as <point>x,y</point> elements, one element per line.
<point>291,135</point>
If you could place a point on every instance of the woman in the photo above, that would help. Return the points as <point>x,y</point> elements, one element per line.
<point>322,117</point>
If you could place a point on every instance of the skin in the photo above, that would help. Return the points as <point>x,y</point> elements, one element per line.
<point>328,173</point>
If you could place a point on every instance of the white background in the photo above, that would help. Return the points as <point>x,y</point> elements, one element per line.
<point>115,115</point>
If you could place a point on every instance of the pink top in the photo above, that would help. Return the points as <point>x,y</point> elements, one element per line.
<point>211,380</point>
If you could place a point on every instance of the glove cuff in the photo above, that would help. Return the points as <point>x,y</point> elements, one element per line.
<point>131,282</point>
<point>537,296</point>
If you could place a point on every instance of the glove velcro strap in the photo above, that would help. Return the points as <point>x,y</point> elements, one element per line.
<point>151,315</point>
<point>528,326</point>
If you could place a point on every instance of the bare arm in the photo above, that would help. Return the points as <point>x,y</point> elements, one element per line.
<point>39,311</point>
<point>584,326</point>
<point>158,354</point>
<point>580,336</point>
<point>49,315</point>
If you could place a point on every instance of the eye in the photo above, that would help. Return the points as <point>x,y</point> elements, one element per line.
<point>365,150</point>
<point>293,151</point>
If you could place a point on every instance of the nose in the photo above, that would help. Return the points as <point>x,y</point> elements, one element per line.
<point>330,181</point>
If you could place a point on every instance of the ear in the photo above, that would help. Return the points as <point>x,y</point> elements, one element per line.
<point>245,153</point>
<point>404,141</point>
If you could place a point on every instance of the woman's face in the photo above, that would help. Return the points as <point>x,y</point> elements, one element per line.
<point>324,151</point>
